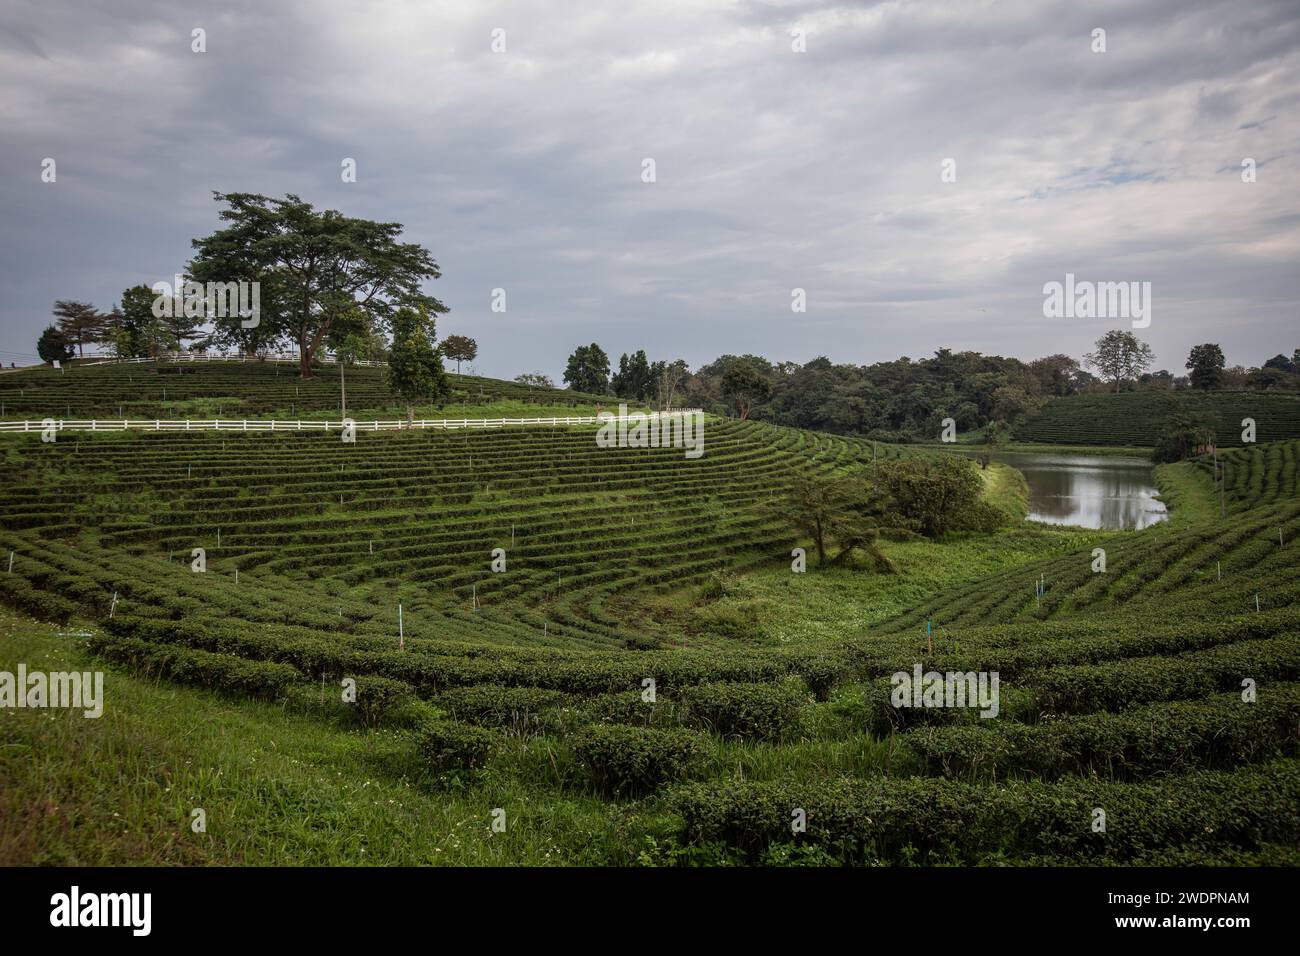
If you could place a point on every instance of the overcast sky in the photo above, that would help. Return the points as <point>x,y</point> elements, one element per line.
<point>775,169</point>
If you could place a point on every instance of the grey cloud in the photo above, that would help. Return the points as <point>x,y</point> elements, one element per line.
<point>775,169</point>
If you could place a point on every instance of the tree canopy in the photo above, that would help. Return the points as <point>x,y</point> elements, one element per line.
<point>1120,356</point>
<point>314,267</point>
<point>588,370</point>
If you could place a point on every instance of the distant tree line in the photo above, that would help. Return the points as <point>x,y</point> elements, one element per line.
<point>908,398</point>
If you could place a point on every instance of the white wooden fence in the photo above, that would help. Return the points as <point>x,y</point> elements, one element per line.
<point>274,425</point>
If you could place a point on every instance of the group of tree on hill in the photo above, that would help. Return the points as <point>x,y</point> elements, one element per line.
<point>326,282</point>
<point>906,398</point>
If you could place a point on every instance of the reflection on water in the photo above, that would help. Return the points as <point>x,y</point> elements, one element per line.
<point>1094,491</point>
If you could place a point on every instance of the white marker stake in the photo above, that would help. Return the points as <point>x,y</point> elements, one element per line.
<point>113,607</point>
<point>1257,601</point>
<point>401,629</point>
<point>11,562</point>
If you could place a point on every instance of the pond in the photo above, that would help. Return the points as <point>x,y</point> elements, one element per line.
<point>1111,492</point>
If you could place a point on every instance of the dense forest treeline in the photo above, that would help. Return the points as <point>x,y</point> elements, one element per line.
<point>907,399</point>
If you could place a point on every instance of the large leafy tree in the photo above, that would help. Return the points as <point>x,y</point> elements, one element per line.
<point>461,348</point>
<point>314,266</point>
<point>80,323</point>
<point>52,346</point>
<point>1206,363</point>
<point>745,385</point>
<point>633,378</point>
<point>414,364</point>
<point>1120,356</point>
<point>1056,374</point>
<point>1282,363</point>
<point>588,370</point>
<point>136,332</point>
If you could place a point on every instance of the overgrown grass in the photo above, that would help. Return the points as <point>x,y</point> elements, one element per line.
<point>277,788</point>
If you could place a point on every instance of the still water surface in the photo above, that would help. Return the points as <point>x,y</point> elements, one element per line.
<point>1111,492</point>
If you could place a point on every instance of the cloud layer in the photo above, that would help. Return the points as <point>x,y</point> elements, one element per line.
<point>775,169</point>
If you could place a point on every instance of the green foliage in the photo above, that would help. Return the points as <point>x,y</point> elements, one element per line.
<point>1131,677</point>
<point>1141,418</point>
<point>843,511</point>
<point>882,821</point>
<point>53,347</point>
<point>588,370</point>
<point>137,333</point>
<point>632,761</point>
<point>633,378</point>
<point>79,324</point>
<point>314,267</point>
<point>1164,738</point>
<point>414,367</point>
<point>461,348</point>
<point>452,745</point>
<point>745,385</point>
<point>185,665</point>
<point>937,495</point>
<point>1206,363</point>
<point>1120,356</point>
<point>518,709</point>
<point>746,711</point>
<point>380,697</point>
<point>1184,437</point>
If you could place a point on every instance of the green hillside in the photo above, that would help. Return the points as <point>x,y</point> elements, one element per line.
<point>152,390</point>
<point>526,689</point>
<point>1139,418</point>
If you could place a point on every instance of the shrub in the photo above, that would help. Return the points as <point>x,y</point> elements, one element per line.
<point>1184,735</point>
<point>937,494</point>
<point>627,708</point>
<point>493,705</point>
<point>450,745</point>
<point>749,711</point>
<point>938,820</point>
<point>629,761</point>
<point>377,697</point>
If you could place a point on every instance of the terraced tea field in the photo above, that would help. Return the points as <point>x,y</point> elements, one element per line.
<point>252,390</point>
<point>1139,418</point>
<point>581,688</point>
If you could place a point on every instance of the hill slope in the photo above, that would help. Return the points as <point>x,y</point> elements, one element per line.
<point>256,390</point>
<point>1120,689</point>
<point>1139,418</point>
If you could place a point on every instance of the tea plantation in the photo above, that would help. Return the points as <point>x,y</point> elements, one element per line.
<point>1139,418</point>
<point>237,390</point>
<point>579,687</point>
